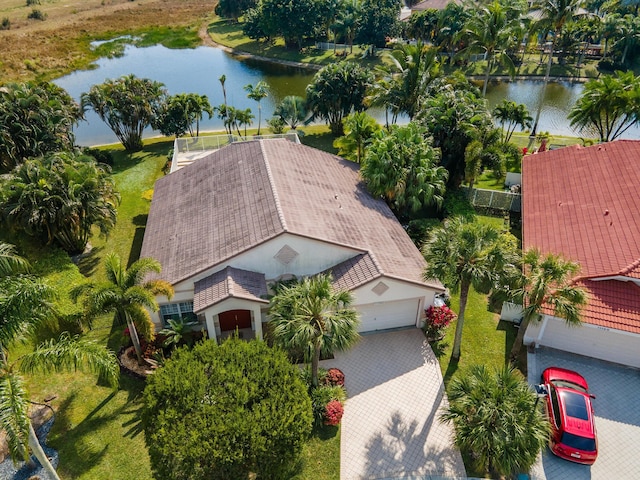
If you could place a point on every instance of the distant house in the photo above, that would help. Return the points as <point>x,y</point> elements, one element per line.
<point>433,5</point>
<point>233,222</point>
<point>585,204</point>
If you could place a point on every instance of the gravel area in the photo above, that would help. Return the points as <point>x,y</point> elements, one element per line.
<point>21,470</point>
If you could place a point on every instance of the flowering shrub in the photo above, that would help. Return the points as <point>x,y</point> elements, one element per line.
<point>333,413</point>
<point>437,319</point>
<point>334,377</point>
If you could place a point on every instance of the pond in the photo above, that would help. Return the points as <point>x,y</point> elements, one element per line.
<point>198,70</point>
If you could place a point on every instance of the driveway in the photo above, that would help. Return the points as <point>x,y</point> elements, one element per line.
<point>390,427</point>
<point>617,418</point>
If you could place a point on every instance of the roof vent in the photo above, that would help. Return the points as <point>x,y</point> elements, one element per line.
<point>380,288</point>
<point>286,255</point>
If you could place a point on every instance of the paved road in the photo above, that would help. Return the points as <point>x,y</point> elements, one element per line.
<point>617,411</point>
<point>390,427</point>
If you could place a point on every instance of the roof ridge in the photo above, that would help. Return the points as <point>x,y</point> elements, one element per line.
<point>276,198</point>
<point>229,280</point>
<point>375,262</point>
<point>629,268</point>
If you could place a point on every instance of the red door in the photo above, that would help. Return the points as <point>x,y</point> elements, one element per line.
<point>232,319</point>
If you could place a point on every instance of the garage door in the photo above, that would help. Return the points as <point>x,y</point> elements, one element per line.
<point>384,315</point>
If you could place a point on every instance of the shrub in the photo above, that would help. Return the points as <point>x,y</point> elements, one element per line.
<point>436,320</point>
<point>276,125</point>
<point>225,412</point>
<point>456,203</point>
<point>333,413</point>
<point>101,156</point>
<point>320,398</point>
<point>334,377</point>
<point>37,14</point>
<point>6,24</point>
<point>33,2</point>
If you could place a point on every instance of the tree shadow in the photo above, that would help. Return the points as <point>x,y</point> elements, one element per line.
<point>136,241</point>
<point>511,331</point>
<point>88,262</point>
<point>452,368</point>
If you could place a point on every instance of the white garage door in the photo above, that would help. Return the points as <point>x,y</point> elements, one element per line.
<point>384,315</point>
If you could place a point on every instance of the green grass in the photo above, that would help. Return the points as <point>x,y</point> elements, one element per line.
<point>320,458</point>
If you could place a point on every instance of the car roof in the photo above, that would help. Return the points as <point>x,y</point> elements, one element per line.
<point>576,412</point>
<point>556,373</point>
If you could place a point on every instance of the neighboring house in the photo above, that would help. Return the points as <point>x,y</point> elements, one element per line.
<point>584,203</point>
<point>252,213</point>
<point>433,5</point>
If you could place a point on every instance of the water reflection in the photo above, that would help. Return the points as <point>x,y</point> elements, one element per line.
<point>198,70</point>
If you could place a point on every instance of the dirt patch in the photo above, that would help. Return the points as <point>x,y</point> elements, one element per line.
<point>129,364</point>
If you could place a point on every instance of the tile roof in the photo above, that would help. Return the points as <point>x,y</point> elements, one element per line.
<point>230,282</point>
<point>583,203</point>
<point>354,272</point>
<point>246,193</point>
<point>612,304</point>
<point>433,4</point>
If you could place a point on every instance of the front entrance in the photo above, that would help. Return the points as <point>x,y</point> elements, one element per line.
<point>232,319</point>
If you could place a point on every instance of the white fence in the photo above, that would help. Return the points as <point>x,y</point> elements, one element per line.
<point>495,199</point>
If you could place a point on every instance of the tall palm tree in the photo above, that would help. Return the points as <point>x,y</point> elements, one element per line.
<point>313,317</point>
<point>629,34</point>
<point>547,283</point>
<point>491,29</point>
<point>511,115</point>
<point>128,295</point>
<point>462,254</point>
<point>359,129</point>
<point>24,306</point>
<point>292,110</point>
<point>555,13</point>
<point>611,28</point>
<point>257,93</point>
<point>473,163</point>
<point>497,421</point>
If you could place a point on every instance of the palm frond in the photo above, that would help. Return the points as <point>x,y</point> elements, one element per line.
<point>142,321</point>
<point>72,353</point>
<point>160,287</point>
<point>10,262</point>
<point>14,418</point>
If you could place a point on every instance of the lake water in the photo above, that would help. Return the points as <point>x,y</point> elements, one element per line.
<point>198,70</point>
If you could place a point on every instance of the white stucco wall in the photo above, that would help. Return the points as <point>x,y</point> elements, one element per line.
<point>589,340</point>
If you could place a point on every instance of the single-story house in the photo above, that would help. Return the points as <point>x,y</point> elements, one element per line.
<point>432,5</point>
<point>233,222</point>
<point>584,203</point>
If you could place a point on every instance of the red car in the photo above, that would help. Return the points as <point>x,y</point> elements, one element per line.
<point>569,409</point>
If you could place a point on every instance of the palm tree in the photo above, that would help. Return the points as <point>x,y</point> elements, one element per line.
<point>629,34</point>
<point>496,420</point>
<point>359,129</point>
<point>547,285</point>
<point>24,306</point>
<point>473,163</point>
<point>555,13</point>
<point>257,93</point>
<point>243,118</point>
<point>611,28</point>
<point>128,295</point>
<point>511,115</point>
<point>293,110</point>
<point>462,254</point>
<point>491,30</point>
<point>313,317</point>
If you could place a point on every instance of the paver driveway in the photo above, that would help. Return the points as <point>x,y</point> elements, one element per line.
<point>617,414</point>
<point>390,427</point>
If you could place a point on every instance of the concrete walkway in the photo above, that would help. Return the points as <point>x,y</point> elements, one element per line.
<point>390,427</point>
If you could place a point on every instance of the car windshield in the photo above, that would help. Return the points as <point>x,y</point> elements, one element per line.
<point>578,442</point>
<point>568,384</point>
<point>575,405</point>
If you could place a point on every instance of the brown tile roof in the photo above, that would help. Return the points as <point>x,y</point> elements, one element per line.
<point>584,204</point>
<point>432,4</point>
<point>230,282</point>
<point>354,272</point>
<point>246,193</point>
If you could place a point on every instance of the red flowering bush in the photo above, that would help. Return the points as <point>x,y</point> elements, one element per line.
<point>436,319</point>
<point>333,413</point>
<point>334,377</point>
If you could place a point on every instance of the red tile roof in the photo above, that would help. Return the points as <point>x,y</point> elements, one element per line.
<point>584,204</point>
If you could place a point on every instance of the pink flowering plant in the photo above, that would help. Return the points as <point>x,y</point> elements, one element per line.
<point>333,413</point>
<point>436,319</point>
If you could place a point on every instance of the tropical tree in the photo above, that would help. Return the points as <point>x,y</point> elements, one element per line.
<point>35,119</point>
<point>402,167</point>
<point>128,294</point>
<point>232,411</point>
<point>234,8</point>
<point>423,25</point>
<point>292,110</point>
<point>243,118</point>
<point>547,285</point>
<point>127,105</point>
<point>60,198</point>
<point>473,163</point>
<point>511,115</point>
<point>497,420</point>
<point>312,317</point>
<point>177,115</point>
<point>379,20</point>
<point>611,28</point>
<point>347,22</point>
<point>293,20</point>
<point>451,21</point>
<point>257,93</point>
<point>608,106</point>
<point>25,304</point>
<point>359,129</point>
<point>490,30</point>
<point>337,90</point>
<point>464,253</point>
<point>629,35</point>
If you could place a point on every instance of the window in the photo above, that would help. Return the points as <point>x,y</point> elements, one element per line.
<point>575,405</point>
<point>555,406</point>
<point>177,311</point>
<point>578,442</point>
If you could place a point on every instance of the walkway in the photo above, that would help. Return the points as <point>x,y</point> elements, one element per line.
<point>390,428</point>
<point>617,390</point>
